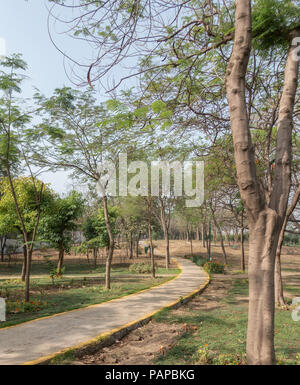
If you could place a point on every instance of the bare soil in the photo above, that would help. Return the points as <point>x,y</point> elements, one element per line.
<point>142,346</point>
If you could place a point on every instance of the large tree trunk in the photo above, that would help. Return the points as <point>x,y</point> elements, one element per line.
<point>110,246</point>
<point>260,334</point>
<point>265,218</point>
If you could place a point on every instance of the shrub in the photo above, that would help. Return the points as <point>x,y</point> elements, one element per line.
<point>52,269</point>
<point>229,359</point>
<point>209,357</point>
<point>205,357</point>
<point>141,268</point>
<point>14,307</point>
<point>198,260</point>
<point>214,267</point>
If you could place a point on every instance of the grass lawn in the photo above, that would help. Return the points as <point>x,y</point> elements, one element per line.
<point>68,293</point>
<point>40,268</point>
<point>218,335</point>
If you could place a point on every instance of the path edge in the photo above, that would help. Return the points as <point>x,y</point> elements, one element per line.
<point>95,304</point>
<point>110,337</point>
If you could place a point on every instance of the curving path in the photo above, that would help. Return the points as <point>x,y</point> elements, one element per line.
<point>45,336</point>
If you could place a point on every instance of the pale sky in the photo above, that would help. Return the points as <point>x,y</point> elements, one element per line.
<point>23,26</point>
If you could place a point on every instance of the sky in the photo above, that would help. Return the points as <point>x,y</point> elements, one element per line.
<point>23,28</point>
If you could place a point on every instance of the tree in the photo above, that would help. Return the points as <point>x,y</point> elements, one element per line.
<point>177,71</point>
<point>56,227</point>
<point>80,135</point>
<point>14,149</point>
<point>95,231</point>
<point>20,210</point>
<point>265,213</point>
<point>133,220</point>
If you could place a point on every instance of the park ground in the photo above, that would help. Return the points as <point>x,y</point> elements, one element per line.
<point>209,329</point>
<point>81,285</point>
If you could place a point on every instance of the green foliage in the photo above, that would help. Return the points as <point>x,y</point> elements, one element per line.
<point>12,117</point>
<point>208,357</point>
<point>55,227</point>
<point>272,20</point>
<point>141,268</point>
<point>198,260</point>
<point>214,267</point>
<point>95,231</point>
<point>291,239</point>
<point>52,269</point>
<point>15,307</point>
<point>25,190</point>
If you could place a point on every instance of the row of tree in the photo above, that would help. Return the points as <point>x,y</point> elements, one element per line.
<point>217,83</point>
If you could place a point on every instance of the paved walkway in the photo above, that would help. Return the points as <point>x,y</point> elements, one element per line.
<point>42,337</point>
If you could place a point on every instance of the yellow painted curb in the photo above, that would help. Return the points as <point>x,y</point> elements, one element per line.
<point>131,325</point>
<point>96,304</point>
